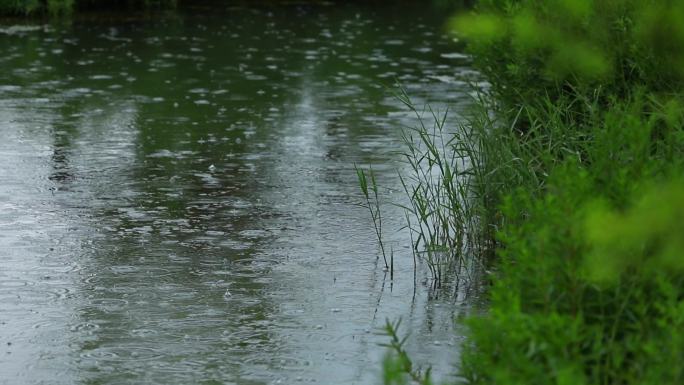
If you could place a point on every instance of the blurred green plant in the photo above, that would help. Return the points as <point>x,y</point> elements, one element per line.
<point>529,48</point>
<point>647,237</point>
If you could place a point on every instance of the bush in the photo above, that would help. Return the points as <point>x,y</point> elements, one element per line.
<point>582,138</point>
<point>590,286</point>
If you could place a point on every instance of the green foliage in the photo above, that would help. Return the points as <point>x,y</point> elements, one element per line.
<point>529,49</point>
<point>59,6</point>
<point>580,165</point>
<point>19,6</point>
<point>63,7</point>
<point>589,288</point>
<point>398,369</point>
<point>646,237</point>
<point>123,4</point>
<point>589,285</point>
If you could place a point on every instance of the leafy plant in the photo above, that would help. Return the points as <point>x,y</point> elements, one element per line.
<point>398,368</point>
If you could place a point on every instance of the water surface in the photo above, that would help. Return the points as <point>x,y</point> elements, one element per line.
<point>178,203</point>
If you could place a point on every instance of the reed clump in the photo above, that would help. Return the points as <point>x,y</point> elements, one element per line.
<point>446,192</point>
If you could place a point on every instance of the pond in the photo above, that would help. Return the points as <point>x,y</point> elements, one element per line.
<point>178,202</point>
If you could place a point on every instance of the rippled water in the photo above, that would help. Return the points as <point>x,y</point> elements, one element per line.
<point>178,203</point>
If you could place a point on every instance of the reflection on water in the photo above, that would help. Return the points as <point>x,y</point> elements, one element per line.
<point>178,203</point>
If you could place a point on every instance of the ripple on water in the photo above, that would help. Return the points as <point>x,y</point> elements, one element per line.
<point>280,361</point>
<point>234,244</point>
<point>10,88</point>
<point>84,327</point>
<point>124,269</point>
<point>144,333</point>
<point>139,353</point>
<point>254,233</point>
<point>13,283</point>
<point>100,354</point>
<point>239,339</point>
<point>43,324</point>
<point>61,293</point>
<point>109,305</point>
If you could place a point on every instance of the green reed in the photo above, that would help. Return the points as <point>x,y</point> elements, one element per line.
<point>372,203</point>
